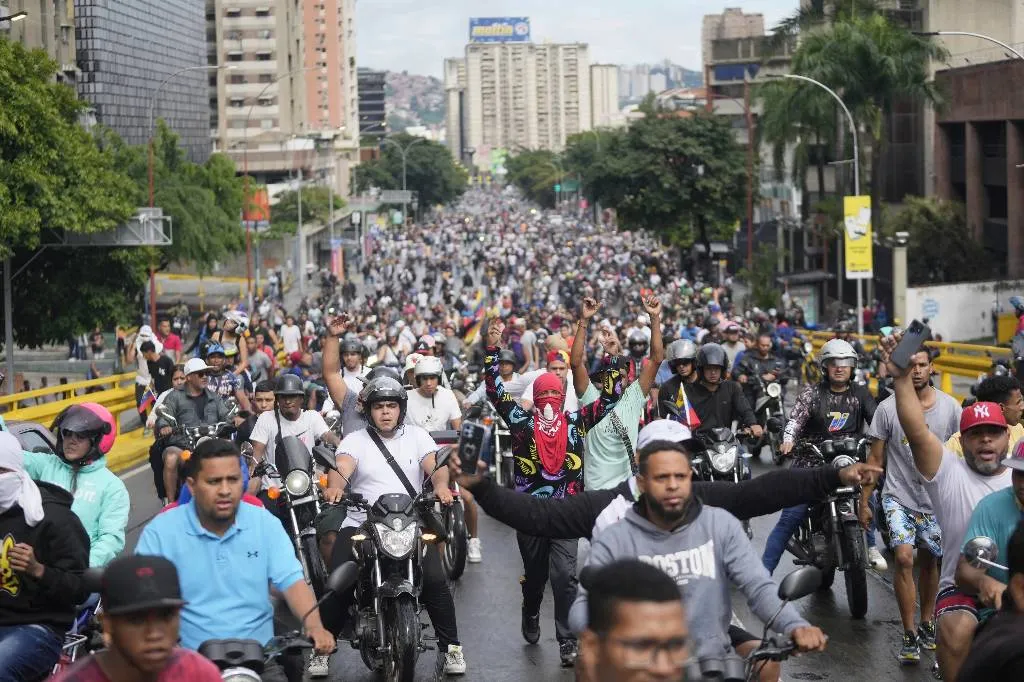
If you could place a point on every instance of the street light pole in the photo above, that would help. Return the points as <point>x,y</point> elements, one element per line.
<point>856,173</point>
<point>403,151</point>
<point>980,36</point>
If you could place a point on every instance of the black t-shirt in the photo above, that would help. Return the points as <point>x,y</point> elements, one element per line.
<point>162,371</point>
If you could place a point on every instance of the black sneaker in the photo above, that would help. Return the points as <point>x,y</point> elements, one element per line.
<point>567,651</point>
<point>910,652</point>
<point>926,635</point>
<point>531,627</point>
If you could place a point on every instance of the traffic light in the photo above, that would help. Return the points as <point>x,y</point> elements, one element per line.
<point>558,188</point>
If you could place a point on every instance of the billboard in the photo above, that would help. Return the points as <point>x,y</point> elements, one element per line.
<point>499,30</point>
<point>857,237</point>
<point>256,211</point>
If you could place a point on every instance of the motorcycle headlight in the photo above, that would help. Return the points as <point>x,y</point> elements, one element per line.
<point>724,461</point>
<point>297,483</point>
<point>808,347</point>
<point>239,675</point>
<point>774,390</point>
<point>843,461</point>
<point>397,543</point>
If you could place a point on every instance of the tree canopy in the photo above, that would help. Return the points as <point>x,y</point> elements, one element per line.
<point>316,204</point>
<point>430,169</point>
<point>942,247</point>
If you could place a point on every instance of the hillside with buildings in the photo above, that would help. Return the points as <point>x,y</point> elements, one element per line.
<point>414,100</point>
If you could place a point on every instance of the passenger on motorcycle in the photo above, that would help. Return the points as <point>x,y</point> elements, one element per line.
<point>700,547</point>
<point>634,613</point>
<point>353,355</point>
<point>835,407</point>
<point>432,406</point>
<point>221,380</point>
<point>192,405</point>
<point>365,469</point>
<point>716,400</point>
<point>507,370</point>
<point>44,552</point>
<point>226,554</point>
<point>141,618</point>
<point>85,434</point>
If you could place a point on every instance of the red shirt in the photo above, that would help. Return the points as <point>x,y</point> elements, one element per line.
<point>171,342</point>
<point>184,666</point>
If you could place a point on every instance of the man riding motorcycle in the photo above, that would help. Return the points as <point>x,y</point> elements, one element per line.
<point>761,362</point>
<point>221,380</point>
<point>833,408</point>
<point>716,400</point>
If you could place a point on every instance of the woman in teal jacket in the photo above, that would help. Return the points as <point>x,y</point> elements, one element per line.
<point>85,433</point>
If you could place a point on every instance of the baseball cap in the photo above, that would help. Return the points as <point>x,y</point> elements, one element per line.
<point>670,430</point>
<point>139,583</point>
<point>196,365</point>
<point>980,414</point>
<point>1016,458</point>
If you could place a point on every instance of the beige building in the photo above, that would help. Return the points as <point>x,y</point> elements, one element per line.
<point>291,99</point>
<point>604,96</point>
<point>521,95</point>
<point>455,93</point>
<point>732,23</point>
<point>53,32</point>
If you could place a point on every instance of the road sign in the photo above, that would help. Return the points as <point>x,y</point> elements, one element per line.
<point>558,188</point>
<point>396,196</point>
<point>857,237</point>
<point>357,217</point>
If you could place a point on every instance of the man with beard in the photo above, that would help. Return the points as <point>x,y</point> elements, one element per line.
<point>697,546</point>
<point>955,487</point>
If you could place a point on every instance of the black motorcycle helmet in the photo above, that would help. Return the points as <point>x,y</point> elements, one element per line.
<point>711,355</point>
<point>638,344</point>
<point>507,355</point>
<point>353,345</point>
<point>384,389</point>
<point>382,371</point>
<point>289,384</point>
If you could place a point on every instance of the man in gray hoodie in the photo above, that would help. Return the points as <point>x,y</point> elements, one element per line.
<point>703,548</point>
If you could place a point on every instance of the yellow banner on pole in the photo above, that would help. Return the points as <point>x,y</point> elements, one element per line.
<point>857,237</point>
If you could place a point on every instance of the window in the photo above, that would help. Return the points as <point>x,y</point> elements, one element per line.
<point>266,78</point>
<point>263,11</point>
<point>236,79</point>
<point>233,12</point>
<point>234,35</point>
<point>265,34</point>
<point>267,124</point>
<point>266,101</point>
<point>238,102</point>
<point>263,56</point>
<point>234,56</point>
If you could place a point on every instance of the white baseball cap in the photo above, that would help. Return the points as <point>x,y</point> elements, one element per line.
<point>670,430</point>
<point>196,365</point>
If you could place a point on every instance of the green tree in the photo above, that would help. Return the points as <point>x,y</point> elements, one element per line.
<point>941,247</point>
<point>582,152</point>
<point>431,171</point>
<point>535,173</point>
<point>316,205</point>
<point>682,177</point>
<point>55,179</point>
<point>760,277</point>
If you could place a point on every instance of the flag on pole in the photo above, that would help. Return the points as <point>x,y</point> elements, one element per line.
<point>148,399</point>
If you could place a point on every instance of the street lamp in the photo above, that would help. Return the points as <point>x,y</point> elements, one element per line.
<point>13,18</point>
<point>856,167</point>
<point>404,152</point>
<point>980,36</point>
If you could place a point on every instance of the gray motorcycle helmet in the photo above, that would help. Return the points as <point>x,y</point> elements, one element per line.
<point>682,349</point>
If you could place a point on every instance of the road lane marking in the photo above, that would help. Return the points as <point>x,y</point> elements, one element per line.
<point>132,473</point>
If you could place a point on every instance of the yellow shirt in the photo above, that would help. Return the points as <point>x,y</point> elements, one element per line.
<point>1016,433</point>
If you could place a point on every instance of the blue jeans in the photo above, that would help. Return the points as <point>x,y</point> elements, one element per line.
<point>27,652</point>
<point>775,545</point>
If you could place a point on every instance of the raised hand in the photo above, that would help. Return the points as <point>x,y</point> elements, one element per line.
<point>887,345</point>
<point>339,324</point>
<point>589,308</point>
<point>652,304</point>
<point>494,331</point>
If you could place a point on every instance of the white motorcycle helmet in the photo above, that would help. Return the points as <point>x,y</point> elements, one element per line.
<point>428,366</point>
<point>840,351</point>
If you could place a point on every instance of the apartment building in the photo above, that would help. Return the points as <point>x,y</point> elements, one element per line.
<point>372,104</point>
<point>604,96</point>
<point>521,95</point>
<point>52,31</point>
<point>732,23</point>
<point>455,106</point>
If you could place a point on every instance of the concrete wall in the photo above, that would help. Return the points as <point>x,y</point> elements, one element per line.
<point>961,312</point>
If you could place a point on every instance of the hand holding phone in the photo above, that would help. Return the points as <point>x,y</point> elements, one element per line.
<point>472,439</point>
<point>909,344</point>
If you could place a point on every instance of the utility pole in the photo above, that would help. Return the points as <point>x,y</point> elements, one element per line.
<point>301,240</point>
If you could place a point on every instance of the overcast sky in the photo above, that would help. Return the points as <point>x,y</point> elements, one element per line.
<point>416,35</point>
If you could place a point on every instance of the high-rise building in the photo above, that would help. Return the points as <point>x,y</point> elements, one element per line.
<point>455,106</point>
<point>116,54</point>
<point>372,105</point>
<point>732,23</point>
<point>658,82</point>
<point>292,98</point>
<point>520,94</point>
<point>604,95</point>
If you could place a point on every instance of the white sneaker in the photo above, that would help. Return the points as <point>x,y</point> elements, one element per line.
<point>876,560</point>
<point>454,661</point>
<point>319,666</point>
<point>473,551</point>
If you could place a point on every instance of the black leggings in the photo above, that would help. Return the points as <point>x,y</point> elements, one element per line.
<point>435,597</point>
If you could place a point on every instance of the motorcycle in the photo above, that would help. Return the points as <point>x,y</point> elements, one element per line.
<point>243,660</point>
<point>831,537</point>
<point>722,460</point>
<point>181,325</point>
<point>389,552</point>
<point>194,436</point>
<point>771,416</point>
<point>301,497</point>
<point>456,547</point>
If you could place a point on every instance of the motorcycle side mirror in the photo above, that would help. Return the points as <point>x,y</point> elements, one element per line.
<point>324,457</point>
<point>982,552</point>
<point>92,580</point>
<point>669,408</point>
<point>332,418</point>
<point>586,577</point>
<point>442,457</point>
<point>800,583</point>
<point>166,415</point>
<point>343,577</point>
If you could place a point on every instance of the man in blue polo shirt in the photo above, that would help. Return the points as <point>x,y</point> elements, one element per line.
<point>226,553</point>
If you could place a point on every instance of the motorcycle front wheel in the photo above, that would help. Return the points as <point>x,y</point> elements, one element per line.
<point>402,632</point>
<point>315,562</point>
<point>856,571</point>
<point>456,545</point>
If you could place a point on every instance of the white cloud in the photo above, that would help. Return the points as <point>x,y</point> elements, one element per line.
<point>416,36</point>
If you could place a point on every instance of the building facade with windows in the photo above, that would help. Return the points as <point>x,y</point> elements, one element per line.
<point>372,104</point>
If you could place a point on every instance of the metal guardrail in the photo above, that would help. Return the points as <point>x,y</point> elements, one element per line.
<point>112,394</point>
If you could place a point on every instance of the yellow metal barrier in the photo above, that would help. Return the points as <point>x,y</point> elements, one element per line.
<point>954,359</point>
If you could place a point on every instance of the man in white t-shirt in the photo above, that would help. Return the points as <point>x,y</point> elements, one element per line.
<point>955,487</point>
<point>361,463</point>
<point>291,336</point>
<point>432,406</point>
<point>142,376</point>
<point>352,368</point>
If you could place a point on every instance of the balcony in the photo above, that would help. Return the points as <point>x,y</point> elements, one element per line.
<point>755,49</point>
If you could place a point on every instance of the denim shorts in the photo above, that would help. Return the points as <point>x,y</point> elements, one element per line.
<point>910,527</point>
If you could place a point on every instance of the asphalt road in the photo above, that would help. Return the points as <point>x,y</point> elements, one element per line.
<point>487,600</point>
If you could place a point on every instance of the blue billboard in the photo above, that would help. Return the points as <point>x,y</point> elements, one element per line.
<point>499,30</point>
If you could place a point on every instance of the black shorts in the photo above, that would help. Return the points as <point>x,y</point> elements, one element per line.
<point>738,636</point>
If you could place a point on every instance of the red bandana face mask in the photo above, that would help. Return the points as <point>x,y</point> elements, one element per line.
<point>550,429</point>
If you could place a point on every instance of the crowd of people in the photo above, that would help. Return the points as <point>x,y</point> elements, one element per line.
<point>607,367</point>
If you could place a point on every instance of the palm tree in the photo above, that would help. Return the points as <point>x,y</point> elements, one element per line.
<point>871,62</point>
